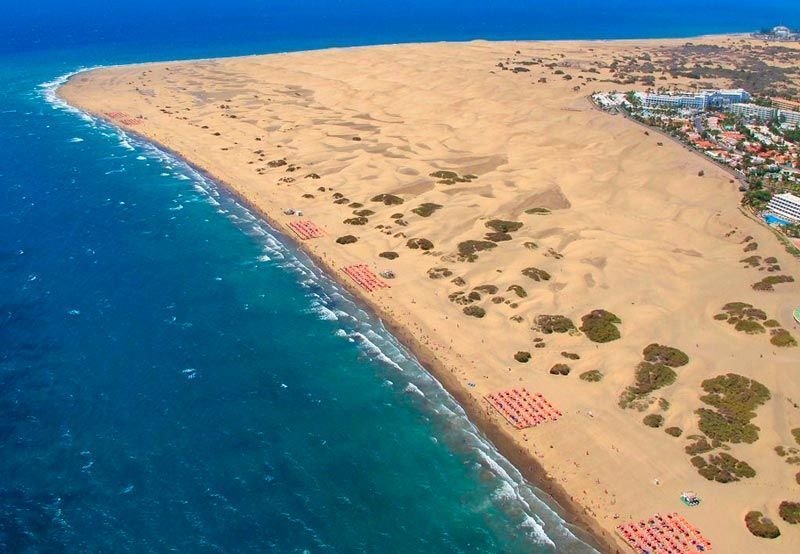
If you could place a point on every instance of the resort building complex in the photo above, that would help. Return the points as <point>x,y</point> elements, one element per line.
<point>789,118</point>
<point>754,111</point>
<point>699,101</point>
<point>786,206</point>
<point>737,101</point>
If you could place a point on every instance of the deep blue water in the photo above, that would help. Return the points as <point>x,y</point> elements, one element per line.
<point>173,376</point>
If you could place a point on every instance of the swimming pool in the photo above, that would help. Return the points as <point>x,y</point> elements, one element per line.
<point>772,219</point>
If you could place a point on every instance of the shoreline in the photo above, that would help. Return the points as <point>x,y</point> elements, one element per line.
<point>620,246</point>
<point>527,464</point>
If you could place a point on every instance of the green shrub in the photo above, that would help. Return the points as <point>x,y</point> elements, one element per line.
<point>474,311</point>
<point>749,327</point>
<point>600,326</point>
<point>537,211</point>
<point>789,512</point>
<point>771,323</point>
<point>451,177</point>
<point>721,428</point>
<point>592,376</point>
<point>347,239</point>
<point>388,199</point>
<point>522,356</point>
<point>724,468</point>
<point>396,216</point>
<point>796,434</point>
<point>782,338</point>
<point>700,446</point>
<point>530,245</point>
<point>752,261</point>
<point>469,248</point>
<point>419,243</point>
<point>650,377</point>
<point>389,255</point>
<point>502,226</point>
<point>460,297</point>
<point>363,213</point>
<point>761,526</point>
<point>736,306</point>
<point>674,431</point>
<point>735,395</point>
<point>498,237</point>
<point>444,174</point>
<point>548,324</point>
<point>721,317</point>
<point>571,355</point>
<point>754,313</point>
<point>356,221</point>
<point>487,289</point>
<point>653,420</point>
<point>518,290</point>
<point>426,209</point>
<point>560,369</point>
<point>697,461</point>
<point>767,283</point>
<point>667,355</point>
<point>439,272</point>
<point>536,274</point>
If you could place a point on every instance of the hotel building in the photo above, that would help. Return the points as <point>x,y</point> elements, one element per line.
<point>790,118</point>
<point>697,102</point>
<point>786,206</point>
<point>754,111</point>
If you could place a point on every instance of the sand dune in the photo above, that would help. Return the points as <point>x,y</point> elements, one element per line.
<point>623,224</point>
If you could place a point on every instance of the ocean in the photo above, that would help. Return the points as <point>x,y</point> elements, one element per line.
<point>174,376</point>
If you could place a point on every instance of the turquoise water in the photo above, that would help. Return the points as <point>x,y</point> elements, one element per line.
<point>173,376</point>
<point>772,219</point>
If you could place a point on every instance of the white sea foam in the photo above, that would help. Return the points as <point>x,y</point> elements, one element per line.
<point>76,139</point>
<point>324,313</point>
<point>373,350</point>
<point>411,388</point>
<point>536,529</point>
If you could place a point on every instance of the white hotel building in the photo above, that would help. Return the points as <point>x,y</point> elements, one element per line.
<point>786,206</point>
<point>754,111</point>
<point>697,102</point>
<point>764,113</point>
<point>789,118</point>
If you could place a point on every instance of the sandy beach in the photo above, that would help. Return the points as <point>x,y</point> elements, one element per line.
<point>415,150</point>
